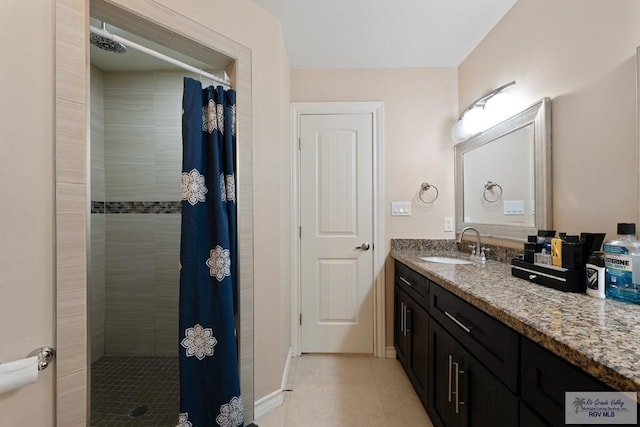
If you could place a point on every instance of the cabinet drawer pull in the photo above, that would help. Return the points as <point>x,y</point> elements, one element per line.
<point>405,281</point>
<point>457,322</point>
<point>457,392</point>
<point>450,363</point>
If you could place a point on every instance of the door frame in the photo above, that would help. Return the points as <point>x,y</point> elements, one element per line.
<point>376,109</point>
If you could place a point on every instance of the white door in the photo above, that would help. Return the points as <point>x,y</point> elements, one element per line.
<point>336,215</point>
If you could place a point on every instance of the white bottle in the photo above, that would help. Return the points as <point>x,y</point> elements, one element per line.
<point>595,276</point>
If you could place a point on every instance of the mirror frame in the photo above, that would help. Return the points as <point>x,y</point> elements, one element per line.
<point>539,116</point>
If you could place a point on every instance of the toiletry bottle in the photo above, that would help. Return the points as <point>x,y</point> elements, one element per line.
<point>572,253</point>
<point>556,251</point>
<point>530,248</point>
<point>595,275</point>
<point>622,265</point>
<point>544,240</point>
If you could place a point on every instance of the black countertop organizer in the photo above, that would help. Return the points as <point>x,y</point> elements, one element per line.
<point>552,277</point>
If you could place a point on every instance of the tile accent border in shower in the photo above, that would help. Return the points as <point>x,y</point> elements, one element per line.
<point>136,207</point>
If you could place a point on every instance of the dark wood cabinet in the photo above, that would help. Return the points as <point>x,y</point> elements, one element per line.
<point>411,334</point>
<point>528,418</point>
<point>545,380</point>
<point>463,392</point>
<point>469,369</point>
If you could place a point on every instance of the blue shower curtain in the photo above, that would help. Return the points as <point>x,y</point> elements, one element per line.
<point>209,382</point>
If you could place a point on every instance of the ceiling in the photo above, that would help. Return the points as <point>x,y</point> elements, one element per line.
<point>383,33</point>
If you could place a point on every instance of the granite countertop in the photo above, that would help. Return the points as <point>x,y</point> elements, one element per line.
<point>602,337</point>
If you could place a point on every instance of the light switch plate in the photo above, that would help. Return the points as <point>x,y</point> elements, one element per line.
<point>448,223</point>
<point>400,208</point>
<point>514,207</point>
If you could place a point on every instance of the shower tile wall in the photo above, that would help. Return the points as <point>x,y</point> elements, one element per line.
<point>97,242</point>
<point>142,163</point>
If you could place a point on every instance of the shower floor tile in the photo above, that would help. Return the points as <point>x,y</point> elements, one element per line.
<point>121,384</point>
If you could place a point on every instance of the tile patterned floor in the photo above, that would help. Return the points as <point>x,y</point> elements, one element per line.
<point>326,390</point>
<point>336,390</point>
<point>120,384</point>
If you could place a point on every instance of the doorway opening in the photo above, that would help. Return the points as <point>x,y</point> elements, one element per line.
<point>151,20</point>
<point>133,281</point>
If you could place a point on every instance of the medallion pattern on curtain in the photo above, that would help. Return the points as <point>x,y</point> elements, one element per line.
<point>209,381</point>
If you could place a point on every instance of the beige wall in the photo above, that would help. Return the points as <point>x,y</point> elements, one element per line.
<point>27,275</point>
<point>581,53</point>
<point>419,109</point>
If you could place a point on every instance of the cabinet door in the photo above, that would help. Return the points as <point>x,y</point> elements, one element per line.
<point>545,380</point>
<point>418,321</point>
<point>488,401</point>
<point>401,337</point>
<point>462,391</point>
<point>440,399</point>
<point>528,418</point>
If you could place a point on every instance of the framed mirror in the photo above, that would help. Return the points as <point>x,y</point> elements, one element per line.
<point>503,176</point>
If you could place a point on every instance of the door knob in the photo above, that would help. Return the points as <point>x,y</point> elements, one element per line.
<point>365,246</point>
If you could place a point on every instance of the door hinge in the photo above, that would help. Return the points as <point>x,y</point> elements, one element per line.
<point>300,319</point>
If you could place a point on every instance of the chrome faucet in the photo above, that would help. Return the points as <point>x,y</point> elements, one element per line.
<point>478,247</point>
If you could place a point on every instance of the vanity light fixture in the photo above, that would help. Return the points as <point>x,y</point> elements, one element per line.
<point>482,114</point>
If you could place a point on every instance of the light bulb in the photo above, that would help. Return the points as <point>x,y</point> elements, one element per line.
<point>474,121</point>
<point>458,132</point>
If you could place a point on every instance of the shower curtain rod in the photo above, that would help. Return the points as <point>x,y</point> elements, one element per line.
<point>159,55</point>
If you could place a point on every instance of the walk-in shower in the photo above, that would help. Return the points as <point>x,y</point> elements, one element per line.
<point>136,154</point>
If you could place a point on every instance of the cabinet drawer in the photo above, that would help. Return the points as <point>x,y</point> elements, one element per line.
<point>545,379</point>
<point>491,342</point>
<point>414,284</point>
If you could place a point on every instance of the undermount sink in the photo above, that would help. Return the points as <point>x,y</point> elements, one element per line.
<point>446,260</point>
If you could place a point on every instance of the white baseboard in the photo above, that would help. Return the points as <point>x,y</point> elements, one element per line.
<point>285,374</point>
<point>271,401</point>
<point>267,404</point>
<point>390,352</point>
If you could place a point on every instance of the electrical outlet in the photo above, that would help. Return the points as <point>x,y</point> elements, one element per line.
<point>448,223</point>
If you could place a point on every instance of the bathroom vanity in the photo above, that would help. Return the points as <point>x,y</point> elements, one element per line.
<point>483,348</point>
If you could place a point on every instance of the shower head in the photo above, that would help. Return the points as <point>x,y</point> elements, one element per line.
<point>106,43</point>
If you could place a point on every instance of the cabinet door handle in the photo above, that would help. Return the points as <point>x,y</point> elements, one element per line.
<point>450,365</point>
<point>402,317</point>
<point>457,392</point>
<point>466,328</point>
<point>407,313</point>
<point>408,283</point>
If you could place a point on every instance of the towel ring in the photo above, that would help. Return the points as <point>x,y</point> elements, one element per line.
<point>489,186</point>
<point>426,187</point>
